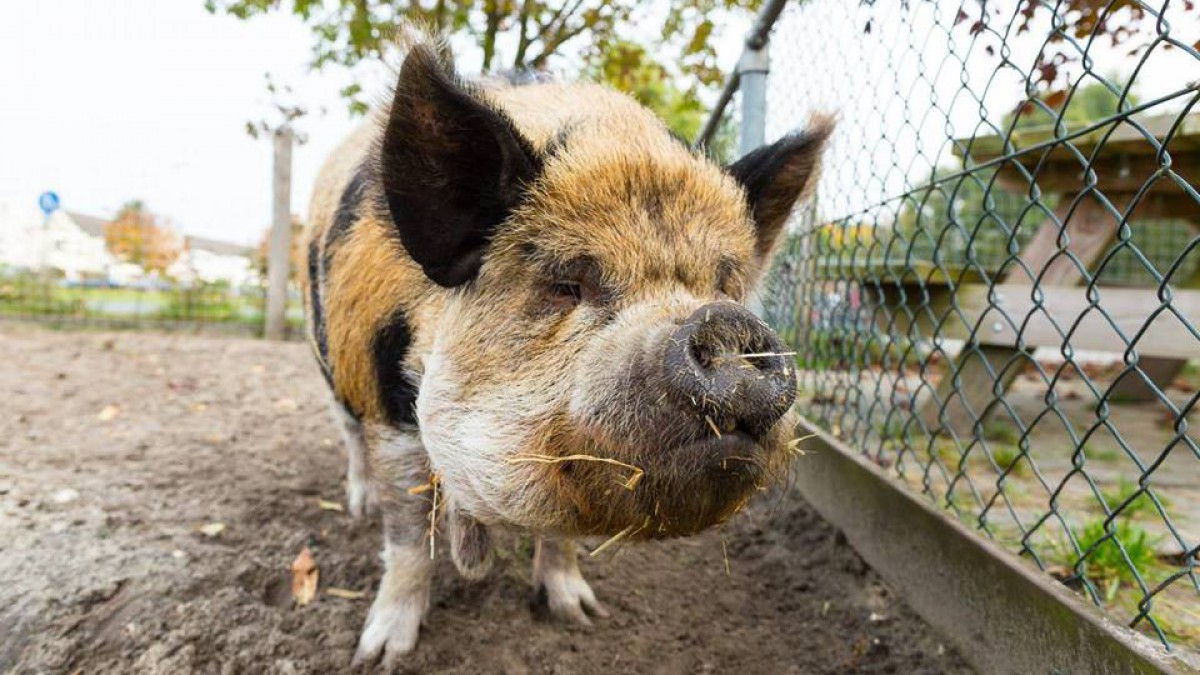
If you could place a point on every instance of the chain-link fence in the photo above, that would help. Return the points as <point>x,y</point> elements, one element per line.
<point>996,293</point>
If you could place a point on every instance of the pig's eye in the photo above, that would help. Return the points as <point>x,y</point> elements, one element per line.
<point>567,293</point>
<point>574,283</point>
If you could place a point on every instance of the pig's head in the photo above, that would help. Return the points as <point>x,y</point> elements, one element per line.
<point>594,271</point>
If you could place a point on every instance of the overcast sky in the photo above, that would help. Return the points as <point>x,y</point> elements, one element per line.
<point>148,99</point>
<point>110,101</point>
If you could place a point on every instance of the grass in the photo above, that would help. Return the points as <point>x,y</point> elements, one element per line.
<point>1002,431</point>
<point>1008,458</point>
<point>27,296</point>
<point>1103,563</point>
<point>1190,375</point>
<point>1123,491</point>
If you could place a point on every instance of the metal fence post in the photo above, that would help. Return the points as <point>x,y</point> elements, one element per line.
<point>753,68</point>
<point>279,252</point>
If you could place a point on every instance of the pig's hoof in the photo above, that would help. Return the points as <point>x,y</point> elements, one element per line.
<point>361,498</point>
<point>391,632</point>
<point>569,597</point>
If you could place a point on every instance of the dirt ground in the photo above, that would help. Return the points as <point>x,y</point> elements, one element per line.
<point>118,449</point>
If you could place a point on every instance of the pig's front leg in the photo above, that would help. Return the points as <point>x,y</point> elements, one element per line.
<point>394,621</point>
<point>556,574</point>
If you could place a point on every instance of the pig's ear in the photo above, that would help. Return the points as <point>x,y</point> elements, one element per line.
<point>778,175</point>
<point>452,168</point>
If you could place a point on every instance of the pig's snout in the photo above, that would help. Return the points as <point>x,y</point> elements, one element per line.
<point>731,367</point>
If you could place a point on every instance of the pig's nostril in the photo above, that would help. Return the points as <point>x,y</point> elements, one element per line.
<point>702,354</point>
<point>729,366</point>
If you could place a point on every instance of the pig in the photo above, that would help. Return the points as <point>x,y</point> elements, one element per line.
<point>528,305</point>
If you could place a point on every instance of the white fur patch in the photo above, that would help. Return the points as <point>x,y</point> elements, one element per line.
<point>468,445</point>
<point>395,619</point>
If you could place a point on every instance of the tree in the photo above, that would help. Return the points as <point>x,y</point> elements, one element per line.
<point>1072,26</point>
<point>138,236</point>
<point>521,35</point>
<point>627,67</point>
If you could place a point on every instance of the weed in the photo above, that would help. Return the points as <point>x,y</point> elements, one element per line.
<point>1002,431</point>
<point>1008,458</point>
<point>1103,560</point>
<point>1123,491</point>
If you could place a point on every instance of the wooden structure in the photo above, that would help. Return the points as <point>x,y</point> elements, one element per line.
<point>1105,178</point>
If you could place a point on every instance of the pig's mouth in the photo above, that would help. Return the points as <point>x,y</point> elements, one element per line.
<point>655,492</point>
<point>733,449</point>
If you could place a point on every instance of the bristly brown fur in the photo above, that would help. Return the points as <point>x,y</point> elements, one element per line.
<point>602,186</point>
<point>617,171</point>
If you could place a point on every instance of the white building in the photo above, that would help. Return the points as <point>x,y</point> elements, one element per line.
<point>74,243</point>
<point>211,261</point>
<point>71,242</point>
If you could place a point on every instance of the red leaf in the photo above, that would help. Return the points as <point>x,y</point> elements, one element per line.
<point>1055,99</point>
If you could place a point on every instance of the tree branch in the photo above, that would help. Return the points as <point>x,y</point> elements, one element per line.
<point>523,36</point>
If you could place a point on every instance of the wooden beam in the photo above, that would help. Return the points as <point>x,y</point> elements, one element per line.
<point>1086,233</point>
<point>1003,311</point>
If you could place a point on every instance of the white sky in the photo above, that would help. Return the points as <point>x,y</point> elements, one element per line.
<point>147,99</point>
<point>917,80</point>
<point>110,101</point>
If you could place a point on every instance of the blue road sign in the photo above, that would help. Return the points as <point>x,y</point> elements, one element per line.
<point>48,202</point>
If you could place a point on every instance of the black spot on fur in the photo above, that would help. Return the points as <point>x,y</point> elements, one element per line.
<point>348,210</point>
<point>396,392</point>
<point>316,313</point>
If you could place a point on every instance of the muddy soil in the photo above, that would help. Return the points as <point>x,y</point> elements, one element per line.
<point>118,449</point>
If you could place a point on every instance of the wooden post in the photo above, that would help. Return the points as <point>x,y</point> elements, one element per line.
<point>1089,230</point>
<point>279,250</point>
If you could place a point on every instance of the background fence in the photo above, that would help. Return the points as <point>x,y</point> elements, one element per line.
<point>67,268</point>
<point>996,292</point>
<point>44,296</point>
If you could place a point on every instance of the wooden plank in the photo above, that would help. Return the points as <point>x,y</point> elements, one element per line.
<point>1087,231</point>
<point>1162,372</point>
<point>969,398</point>
<point>1065,306</point>
<point>1124,139</point>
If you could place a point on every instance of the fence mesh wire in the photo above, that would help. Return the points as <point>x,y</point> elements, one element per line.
<point>996,291</point>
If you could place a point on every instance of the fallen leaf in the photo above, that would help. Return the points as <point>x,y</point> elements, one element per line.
<point>109,413</point>
<point>199,407</point>
<point>286,405</point>
<point>327,505</point>
<point>258,369</point>
<point>345,593</point>
<point>304,577</point>
<point>212,529</point>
